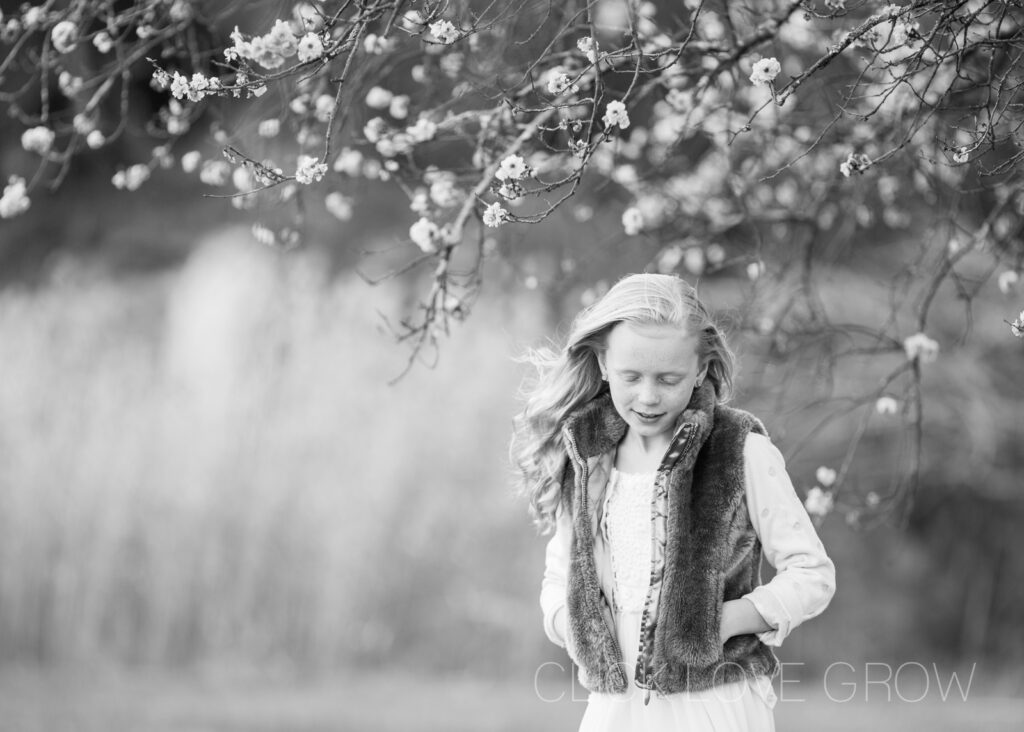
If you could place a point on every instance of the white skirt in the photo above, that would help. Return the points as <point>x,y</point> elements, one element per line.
<point>741,706</point>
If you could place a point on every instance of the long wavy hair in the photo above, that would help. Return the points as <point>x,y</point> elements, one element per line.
<point>569,377</point>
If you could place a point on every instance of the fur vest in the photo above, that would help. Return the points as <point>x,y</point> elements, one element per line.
<point>711,553</point>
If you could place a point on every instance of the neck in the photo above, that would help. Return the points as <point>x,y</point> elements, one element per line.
<point>647,445</point>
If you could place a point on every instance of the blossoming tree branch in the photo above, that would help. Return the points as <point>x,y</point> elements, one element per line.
<point>763,141</point>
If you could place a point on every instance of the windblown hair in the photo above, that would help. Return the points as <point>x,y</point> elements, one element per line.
<point>569,377</point>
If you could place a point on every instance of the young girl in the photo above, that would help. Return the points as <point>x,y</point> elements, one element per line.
<point>662,499</point>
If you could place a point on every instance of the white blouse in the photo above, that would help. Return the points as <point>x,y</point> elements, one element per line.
<point>805,578</point>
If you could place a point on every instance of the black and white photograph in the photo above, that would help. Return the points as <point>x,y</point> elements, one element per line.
<point>511,365</point>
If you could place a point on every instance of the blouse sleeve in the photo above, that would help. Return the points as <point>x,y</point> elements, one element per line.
<point>805,578</point>
<point>556,569</point>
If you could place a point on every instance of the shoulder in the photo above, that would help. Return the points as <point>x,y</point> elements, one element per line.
<point>758,449</point>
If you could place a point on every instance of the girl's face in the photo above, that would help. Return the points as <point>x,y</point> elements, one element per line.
<point>651,371</point>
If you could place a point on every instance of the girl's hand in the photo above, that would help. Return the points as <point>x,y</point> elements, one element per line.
<point>738,617</point>
<point>725,631</point>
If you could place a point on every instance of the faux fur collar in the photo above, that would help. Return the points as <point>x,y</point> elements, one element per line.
<point>597,428</point>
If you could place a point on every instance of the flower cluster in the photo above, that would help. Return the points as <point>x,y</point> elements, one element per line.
<point>559,82</point>
<point>182,87</point>
<point>1017,326</point>
<point>588,47</point>
<point>425,234</point>
<point>921,347</point>
<point>271,50</point>
<point>444,32</point>
<point>854,163</point>
<point>15,198</point>
<point>309,170</point>
<point>131,178</point>
<point>38,139</point>
<point>818,501</point>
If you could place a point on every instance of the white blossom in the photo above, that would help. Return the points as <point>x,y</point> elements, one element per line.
<point>263,235</point>
<point>588,47</point>
<point>559,82</point>
<point>307,16</point>
<point>83,124</point>
<point>103,42</point>
<point>215,172</point>
<point>632,221</point>
<point>64,36</point>
<point>69,84</point>
<point>495,215</point>
<point>339,205</point>
<point>38,139</point>
<point>95,140</point>
<point>180,10</point>
<point>375,129</point>
<point>818,502</point>
<point>755,270</point>
<point>379,45</point>
<point>420,202</point>
<point>269,128</point>
<point>422,131</point>
<point>424,234</point>
<point>411,21</point>
<point>190,161</point>
<point>615,114</point>
<point>919,346</point>
<point>349,162</point>
<point>131,178</point>
<point>378,97</point>
<point>309,170</point>
<point>14,200</point>
<point>1008,281</point>
<point>282,40</point>
<point>33,17</point>
<point>715,254</point>
<point>765,71</point>
<point>826,476</point>
<point>451,64</point>
<point>323,108</point>
<point>179,86</point>
<point>399,107</point>
<point>1017,326</point>
<point>854,163</point>
<point>886,405</point>
<point>513,167</point>
<point>961,155</point>
<point>243,179</point>
<point>694,260</point>
<point>310,48</point>
<point>444,192</point>
<point>444,32</point>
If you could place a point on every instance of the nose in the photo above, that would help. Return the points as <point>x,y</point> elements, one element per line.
<point>648,394</point>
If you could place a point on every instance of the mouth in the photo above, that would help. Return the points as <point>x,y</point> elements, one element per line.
<point>648,417</point>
